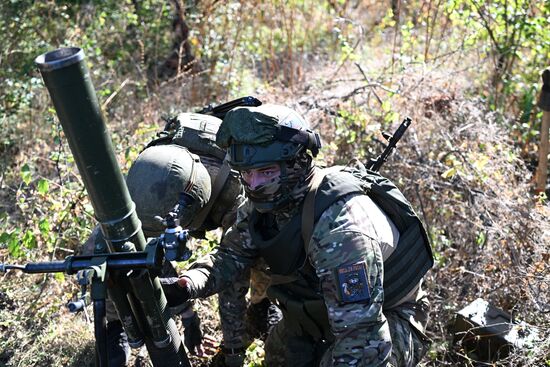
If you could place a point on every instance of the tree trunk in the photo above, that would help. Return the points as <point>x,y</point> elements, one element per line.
<point>181,58</point>
<point>544,104</point>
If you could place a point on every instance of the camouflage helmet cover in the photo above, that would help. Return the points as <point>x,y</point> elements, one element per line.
<point>256,136</point>
<point>156,179</point>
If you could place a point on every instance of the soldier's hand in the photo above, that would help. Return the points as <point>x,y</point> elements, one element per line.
<point>176,290</point>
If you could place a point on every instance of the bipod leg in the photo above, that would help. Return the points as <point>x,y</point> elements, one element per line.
<point>100,332</point>
<point>97,274</point>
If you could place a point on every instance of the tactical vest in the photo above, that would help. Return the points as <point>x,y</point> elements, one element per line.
<point>285,254</point>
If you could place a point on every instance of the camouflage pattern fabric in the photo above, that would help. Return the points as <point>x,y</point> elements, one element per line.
<point>232,303</point>
<point>259,282</point>
<point>343,236</point>
<point>256,125</point>
<point>408,345</point>
<point>407,326</point>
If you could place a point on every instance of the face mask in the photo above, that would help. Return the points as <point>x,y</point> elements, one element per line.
<point>285,191</point>
<point>263,194</point>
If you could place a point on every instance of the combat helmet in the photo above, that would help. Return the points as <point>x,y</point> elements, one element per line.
<point>197,133</point>
<point>162,175</point>
<point>267,134</point>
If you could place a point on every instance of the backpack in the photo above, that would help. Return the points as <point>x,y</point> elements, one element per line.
<point>194,131</point>
<point>413,256</point>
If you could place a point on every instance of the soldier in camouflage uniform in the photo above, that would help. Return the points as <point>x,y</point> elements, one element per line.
<point>328,246</point>
<point>155,181</point>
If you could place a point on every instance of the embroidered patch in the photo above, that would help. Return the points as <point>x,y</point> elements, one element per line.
<point>352,283</point>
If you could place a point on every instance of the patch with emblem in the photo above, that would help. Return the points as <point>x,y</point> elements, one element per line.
<point>352,282</point>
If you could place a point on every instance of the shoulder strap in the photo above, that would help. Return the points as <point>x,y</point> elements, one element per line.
<point>308,210</point>
<point>217,186</point>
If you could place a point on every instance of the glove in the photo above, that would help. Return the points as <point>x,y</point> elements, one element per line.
<point>176,290</point>
<point>192,333</point>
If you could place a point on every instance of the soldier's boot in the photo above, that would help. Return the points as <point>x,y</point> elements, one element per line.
<point>261,318</point>
<point>118,349</point>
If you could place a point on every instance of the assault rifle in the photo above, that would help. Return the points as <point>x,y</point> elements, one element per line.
<point>219,111</point>
<point>376,163</point>
<point>123,265</point>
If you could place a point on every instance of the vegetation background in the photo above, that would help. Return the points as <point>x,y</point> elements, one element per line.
<point>466,71</point>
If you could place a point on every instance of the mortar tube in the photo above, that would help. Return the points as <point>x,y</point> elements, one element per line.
<point>68,81</point>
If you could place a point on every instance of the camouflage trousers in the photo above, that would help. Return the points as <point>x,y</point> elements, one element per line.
<point>406,322</point>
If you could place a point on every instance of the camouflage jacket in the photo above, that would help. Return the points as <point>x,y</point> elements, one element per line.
<point>347,250</point>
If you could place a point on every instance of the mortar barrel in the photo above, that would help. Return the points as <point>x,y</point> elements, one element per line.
<point>68,81</point>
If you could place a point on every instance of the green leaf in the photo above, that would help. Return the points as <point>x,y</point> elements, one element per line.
<point>29,240</point>
<point>43,186</point>
<point>13,244</point>
<point>449,173</point>
<point>480,240</point>
<point>386,106</point>
<point>44,226</point>
<point>26,175</point>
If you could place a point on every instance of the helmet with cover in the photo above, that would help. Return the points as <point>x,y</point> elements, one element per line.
<point>259,136</point>
<point>160,176</point>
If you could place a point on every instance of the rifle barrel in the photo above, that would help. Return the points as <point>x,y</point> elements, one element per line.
<point>73,264</point>
<point>376,164</point>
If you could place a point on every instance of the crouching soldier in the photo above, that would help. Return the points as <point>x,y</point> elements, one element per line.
<point>186,161</point>
<point>346,253</point>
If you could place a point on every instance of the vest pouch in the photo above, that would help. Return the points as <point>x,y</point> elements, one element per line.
<point>197,132</point>
<point>303,317</point>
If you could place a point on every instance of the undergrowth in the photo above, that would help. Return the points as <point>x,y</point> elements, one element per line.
<point>466,72</point>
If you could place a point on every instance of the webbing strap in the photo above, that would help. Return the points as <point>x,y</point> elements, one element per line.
<point>192,176</point>
<point>217,187</point>
<point>308,210</point>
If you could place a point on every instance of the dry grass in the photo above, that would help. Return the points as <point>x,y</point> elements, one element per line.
<point>456,164</point>
<point>465,177</point>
